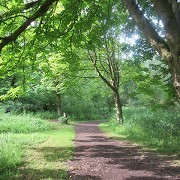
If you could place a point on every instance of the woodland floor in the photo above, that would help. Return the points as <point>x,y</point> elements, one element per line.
<point>98,157</point>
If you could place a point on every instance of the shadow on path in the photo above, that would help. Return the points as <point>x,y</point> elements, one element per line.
<point>98,157</point>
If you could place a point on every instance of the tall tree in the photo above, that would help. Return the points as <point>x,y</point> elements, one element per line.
<point>106,61</point>
<point>52,19</point>
<point>57,71</point>
<point>169,46</point>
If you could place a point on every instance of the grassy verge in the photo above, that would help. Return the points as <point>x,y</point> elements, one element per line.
<point>31,148</point>
<point>47,160</point>
<point>158,129</point>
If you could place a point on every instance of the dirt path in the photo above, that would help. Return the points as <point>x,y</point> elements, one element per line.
<point>98,157</point>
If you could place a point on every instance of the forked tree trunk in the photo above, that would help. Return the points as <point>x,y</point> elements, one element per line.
<point>59,105</point>
<point>119,114</point>
<point>111,74</point>
<point>169,49</point>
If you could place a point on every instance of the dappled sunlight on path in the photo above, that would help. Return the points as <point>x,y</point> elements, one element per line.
<point>98,157</point>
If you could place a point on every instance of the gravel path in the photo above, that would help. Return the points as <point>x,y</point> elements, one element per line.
<point>98,157</point>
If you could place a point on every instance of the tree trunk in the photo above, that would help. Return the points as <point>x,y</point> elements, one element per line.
<point>109,75</point>
<point>169,13</point>
<point>119,115</point>
<point>174,67</point>
<point>59,105</point>
<point>168,49</point>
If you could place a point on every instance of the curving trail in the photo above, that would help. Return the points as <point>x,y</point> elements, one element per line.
<point>98,157</point>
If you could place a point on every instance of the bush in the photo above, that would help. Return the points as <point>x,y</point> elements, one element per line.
<point>158,128</point>
<point>22,124</point>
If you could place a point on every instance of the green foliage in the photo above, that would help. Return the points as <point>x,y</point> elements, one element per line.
<point>22,123</point>
<point>33,100</point>
<point>84,110</point>
<point>56,149</point>
<point>12,93</point>
<point>11,148</point>
<point>63,120</point>
<point>21,138</point>
<point>90,100</point>
<point>158,129</point>
<point>46,115</point>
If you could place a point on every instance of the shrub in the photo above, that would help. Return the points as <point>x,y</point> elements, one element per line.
<point>22,124</point>
<point>158,128</point>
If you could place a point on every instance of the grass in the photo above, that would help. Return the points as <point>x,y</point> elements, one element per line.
<point>47,160</point>
<point>157,129</point>
<point>32,148</point>
<point>22,123</point>
<point>12,147</point>
<point>46,115</point>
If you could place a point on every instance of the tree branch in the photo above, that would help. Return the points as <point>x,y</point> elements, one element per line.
<point>176,9</point>
<point>148,30</point>
<point>43,9</point>
<point>171,26</point>
<point>31,4</point>
<point>98,71</point>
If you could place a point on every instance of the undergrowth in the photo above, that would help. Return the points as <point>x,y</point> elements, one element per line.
<point>23,137</point>
<point>158,129</point>
<point>12,148</point>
